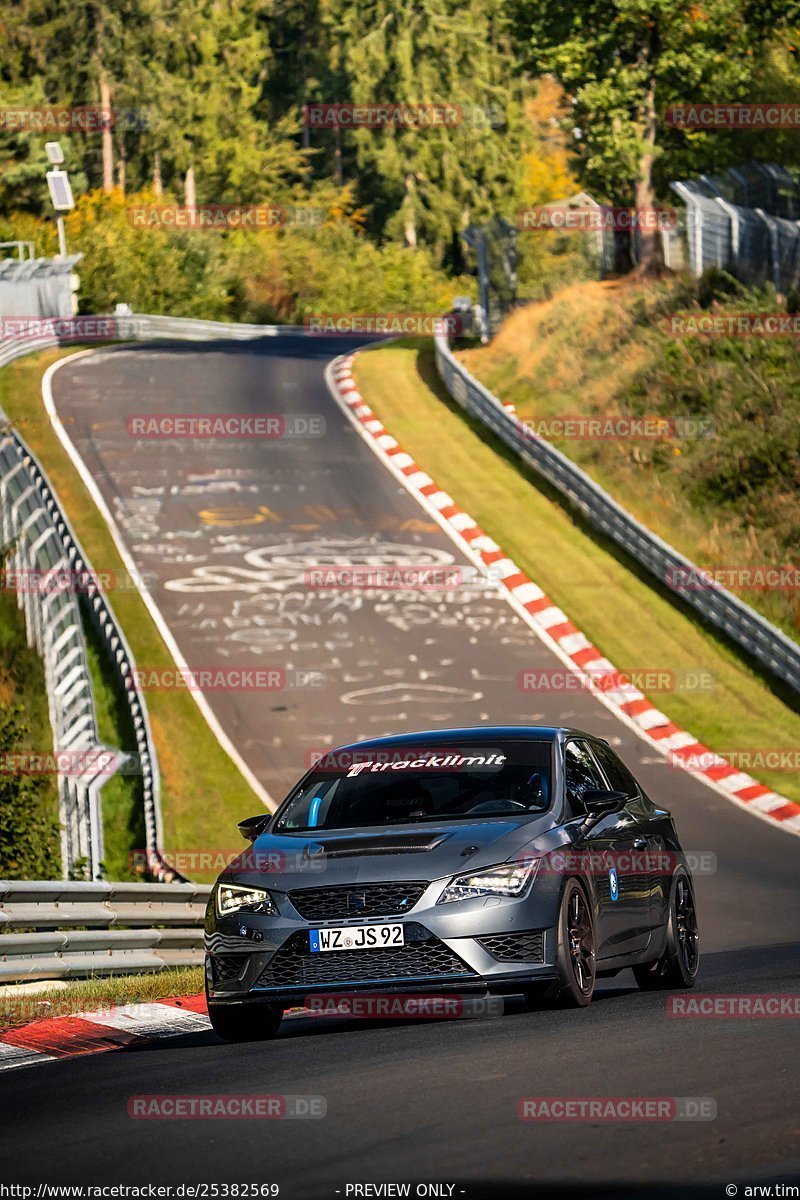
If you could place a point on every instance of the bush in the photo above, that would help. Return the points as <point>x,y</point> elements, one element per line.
<point>261,276</point>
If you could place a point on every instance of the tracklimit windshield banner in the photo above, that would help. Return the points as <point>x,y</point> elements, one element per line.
<point>432,762</point>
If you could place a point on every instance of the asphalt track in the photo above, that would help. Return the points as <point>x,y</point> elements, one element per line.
<point>225,531</point>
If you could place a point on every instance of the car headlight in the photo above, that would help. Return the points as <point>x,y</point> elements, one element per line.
<point>231,899</point>
<point>507,879</point>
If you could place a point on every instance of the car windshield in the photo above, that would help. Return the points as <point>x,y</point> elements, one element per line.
<point>399,785</point>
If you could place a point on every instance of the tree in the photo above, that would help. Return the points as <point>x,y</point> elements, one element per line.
<point>424,185</point>
<point>89,53</point>
<point>213,124</point>
<point>623,63</point>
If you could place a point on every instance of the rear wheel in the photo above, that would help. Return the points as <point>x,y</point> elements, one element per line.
<point>678,965</point>
<point>244,1022</point>
<point>575,954</point>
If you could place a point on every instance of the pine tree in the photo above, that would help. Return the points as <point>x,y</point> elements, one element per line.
<point>425,184</point>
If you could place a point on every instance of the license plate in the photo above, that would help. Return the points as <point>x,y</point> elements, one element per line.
<point>356,937</point>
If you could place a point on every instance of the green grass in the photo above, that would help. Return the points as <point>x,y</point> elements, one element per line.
<point>203,793</point>
<point>632,623</point>
<point>22,683</point>
<point>89,995</point>
<point>123,795</point>
<point>598,350</point>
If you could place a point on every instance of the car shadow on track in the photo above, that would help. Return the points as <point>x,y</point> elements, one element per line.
<point>752,970</point>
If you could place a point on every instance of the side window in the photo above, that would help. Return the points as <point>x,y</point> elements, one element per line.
<point>581,775</point>
<point>618,774</point>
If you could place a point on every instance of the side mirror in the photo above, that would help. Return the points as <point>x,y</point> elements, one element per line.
<point>251,827</point>
<point>600,803</point>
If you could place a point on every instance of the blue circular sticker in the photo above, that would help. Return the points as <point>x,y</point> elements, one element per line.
<point>613,883</point>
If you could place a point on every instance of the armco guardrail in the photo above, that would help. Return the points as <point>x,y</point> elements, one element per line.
<point>46,548</point>
<point>44,540</point>
<point>144,327</point>
<point>72,930</point>
<point>762,640</point>
<point>37,566</point>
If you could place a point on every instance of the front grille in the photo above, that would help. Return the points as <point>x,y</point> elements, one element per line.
<point>368,900</point>
<point>526,946</point>
<point>226,967</point>
<point>295,966</point>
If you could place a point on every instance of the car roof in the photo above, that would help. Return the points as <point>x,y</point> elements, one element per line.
<point>469,733</point>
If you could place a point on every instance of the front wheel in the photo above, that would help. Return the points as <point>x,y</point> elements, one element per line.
<point>244,1022</point>
<point>575,955</point>
<point>678,965</point>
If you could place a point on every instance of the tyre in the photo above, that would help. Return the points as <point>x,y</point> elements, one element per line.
<point>244,1022</point>
<point>575,953</point>
<point>678,965</point>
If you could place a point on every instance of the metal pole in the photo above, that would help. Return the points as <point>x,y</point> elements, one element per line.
<point>62,238</point>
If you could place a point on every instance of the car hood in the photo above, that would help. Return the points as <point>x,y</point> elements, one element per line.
<point>426,851</point>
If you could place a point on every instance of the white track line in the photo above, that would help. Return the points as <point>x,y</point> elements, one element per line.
<point>161,624</point>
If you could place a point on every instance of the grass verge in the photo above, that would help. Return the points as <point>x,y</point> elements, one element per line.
<point>31,825</point>
<point>630,621</point>
<point>721,484</point>
<point>89,995</point>
<point>203,793</point>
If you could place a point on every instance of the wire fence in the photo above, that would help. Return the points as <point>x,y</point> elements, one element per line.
<point>745,220</point>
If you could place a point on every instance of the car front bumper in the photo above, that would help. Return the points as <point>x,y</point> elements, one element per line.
<point>473,945</point>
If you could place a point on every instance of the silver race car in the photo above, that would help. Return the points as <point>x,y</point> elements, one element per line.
<point>500,860</point>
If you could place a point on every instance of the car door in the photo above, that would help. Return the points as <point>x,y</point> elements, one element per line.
<point>648,844</point>
<point>610,850</point>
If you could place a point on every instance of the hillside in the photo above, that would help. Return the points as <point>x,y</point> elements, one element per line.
<point>721,481</point>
